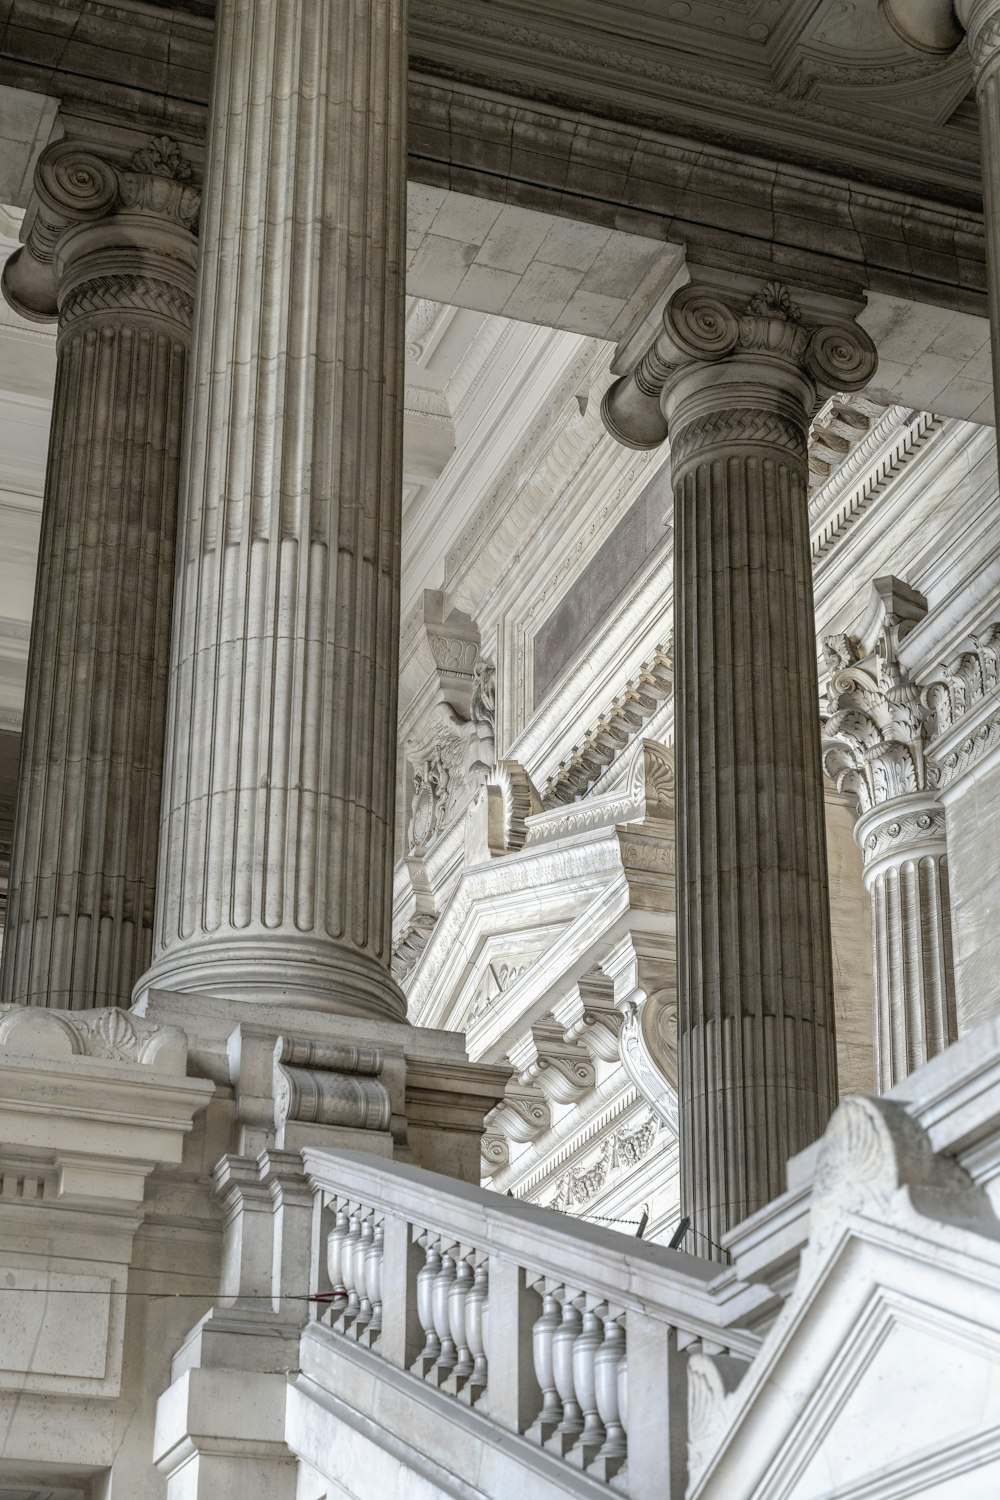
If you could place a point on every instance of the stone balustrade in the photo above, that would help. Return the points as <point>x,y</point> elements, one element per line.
<point>539,1325</point>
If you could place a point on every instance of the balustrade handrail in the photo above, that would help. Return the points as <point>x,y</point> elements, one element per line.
<point>689,1294</point>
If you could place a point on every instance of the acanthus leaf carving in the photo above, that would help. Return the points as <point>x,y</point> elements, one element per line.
<point>878,725</point>
<point>623,1149</point>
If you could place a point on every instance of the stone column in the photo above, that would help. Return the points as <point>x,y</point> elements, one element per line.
<point>873,746</point>
<point>110,250</point>
<point>936,26</point>
<point>735,376</point>
<point>279,780</point>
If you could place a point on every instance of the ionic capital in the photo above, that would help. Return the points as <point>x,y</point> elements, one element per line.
<point>110,217</point>
<point>730,332</point>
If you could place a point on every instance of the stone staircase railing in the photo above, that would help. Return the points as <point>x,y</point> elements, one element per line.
<point>574,1339</point>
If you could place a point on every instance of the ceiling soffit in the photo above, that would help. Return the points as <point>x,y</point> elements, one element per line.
<point>819,82</point>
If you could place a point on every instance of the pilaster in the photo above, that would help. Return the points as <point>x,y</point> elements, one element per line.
<point>110,252</point>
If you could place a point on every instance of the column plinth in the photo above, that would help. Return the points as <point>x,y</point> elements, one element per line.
<point>279,780</point>
<point>110,251</point>
<point>735,379</point>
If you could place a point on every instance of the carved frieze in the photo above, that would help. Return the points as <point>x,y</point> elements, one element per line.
<point>620,1151</point>
<point>963,702</point>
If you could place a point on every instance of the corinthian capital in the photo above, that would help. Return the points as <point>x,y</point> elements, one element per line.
<point>142,198</point>
<point>718,319</point>
<point>877,732</point>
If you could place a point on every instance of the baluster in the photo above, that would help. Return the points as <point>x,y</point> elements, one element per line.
<point>542,1349</point>
<point>373,1283</point>
<point>447,1355</point>
<point>458,1295</point>
<point>608,1363</point>
<point>347,1264</point>
<point>362,1245</point>
<point>571,1424</point>
<point>585,1347</point>
<point>426,1280</point>
<point>623,1392</point>
<point>335,1241</point>
<point>477,1313</point>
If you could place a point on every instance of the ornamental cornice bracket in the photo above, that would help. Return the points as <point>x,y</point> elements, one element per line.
<point>587,1014</point>
<point>79,185</point>
<point>718,317</point>
<point>561,1068</point>
<point>522,1115</point>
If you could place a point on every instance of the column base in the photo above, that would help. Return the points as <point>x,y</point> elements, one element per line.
<point>275,969</point>
<point>439,1097</point>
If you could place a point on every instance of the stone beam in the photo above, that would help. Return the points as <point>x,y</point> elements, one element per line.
<point>757,211</point>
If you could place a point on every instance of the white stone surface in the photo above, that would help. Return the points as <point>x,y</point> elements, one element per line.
<point>529,265</point>
<point>276,846</point>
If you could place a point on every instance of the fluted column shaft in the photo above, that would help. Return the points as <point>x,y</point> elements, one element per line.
<point>757,1064</point>
<point>906,876</point>
<point>112,247</point>
<point>276,847</point>
<point>734,378</point>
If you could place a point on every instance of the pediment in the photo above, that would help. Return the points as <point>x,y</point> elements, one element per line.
<point>881,1376</point>
<point>891,1371</point>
